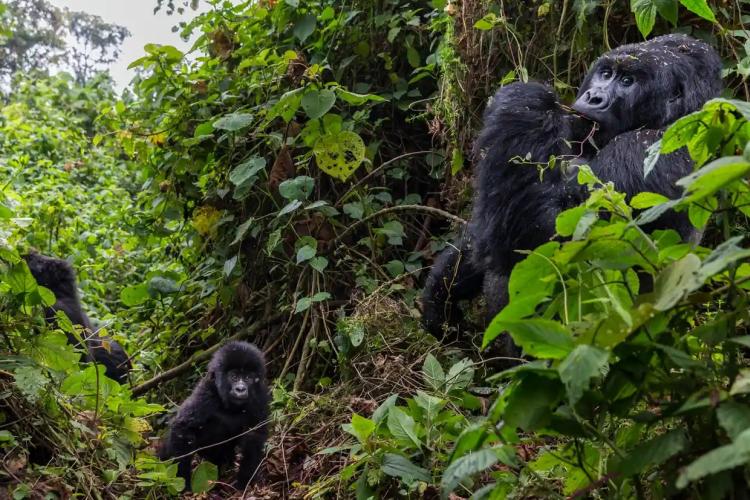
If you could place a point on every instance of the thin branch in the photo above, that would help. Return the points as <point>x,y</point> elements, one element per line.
<point>400,208</point>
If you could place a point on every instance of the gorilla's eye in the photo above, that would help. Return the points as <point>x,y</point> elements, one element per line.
<point>606,73</point>
<point>627,80</point>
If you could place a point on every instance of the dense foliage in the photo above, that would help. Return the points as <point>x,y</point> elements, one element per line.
<point>288,181</point>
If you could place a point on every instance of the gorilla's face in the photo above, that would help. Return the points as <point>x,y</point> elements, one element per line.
<point>237,386</point>
<point>610,93</point>
<point>648,84</point>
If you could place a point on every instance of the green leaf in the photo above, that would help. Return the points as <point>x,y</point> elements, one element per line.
<point>580,367</point>
<point>433,373</point>
<point>647,200</point>
<point>675,281</point>
<point>317,103</point>
<point>384,408</point>
<point>339,155</point>
<point>300,188</point>
<point>399,466</point>
<point>304,27</point>
<point>204,129</point>
<point>429,403</point>
<point>230,264</point>
<point>234,122</point>
<point>531,402</point>
<point>305,253</point>
<point>134,295</point>
<point>714,176</point>
<point>645,15</point>
<point>357,99</point>
<point>699,7</point>
<point>20,279</point>
<point>246,170</point>
<point>466,466</point>
<point>733,418</point>
<point>403,427</point>
<point>319,264</point>
<point>723,256</point>
<point>361,428</point>
<point>540,338</point>
<point>653,452</point>
<point>460,375</point>
<point>242,230</point>
<point>719,459</point>
<point>412,57</point>
<point>668,10</point>
<point>568,219</point>
<point>204,476</point>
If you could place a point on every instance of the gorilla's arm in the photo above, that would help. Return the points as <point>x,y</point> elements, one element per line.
<point>515,206</point>
<point>621,162</point>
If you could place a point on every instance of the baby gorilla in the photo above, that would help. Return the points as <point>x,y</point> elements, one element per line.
<point>58,276</point>
<point>227,409</point>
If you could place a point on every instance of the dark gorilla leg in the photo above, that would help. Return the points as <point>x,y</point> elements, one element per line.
<point>495,289</point>
<point>252,455</point>
<point>453,278</point>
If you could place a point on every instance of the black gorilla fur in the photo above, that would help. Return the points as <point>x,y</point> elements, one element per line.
<point>227,409</point>
<point>58,276</point>
<point>631,94</point>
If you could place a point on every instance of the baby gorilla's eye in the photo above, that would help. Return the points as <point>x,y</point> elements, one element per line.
<point>627,80</point>
<point>606,73</point>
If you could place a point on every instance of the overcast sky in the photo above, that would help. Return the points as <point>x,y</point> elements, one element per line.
<point>138,17</point>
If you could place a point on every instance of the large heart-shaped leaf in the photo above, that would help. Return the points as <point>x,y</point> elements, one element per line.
<point>339,155</point>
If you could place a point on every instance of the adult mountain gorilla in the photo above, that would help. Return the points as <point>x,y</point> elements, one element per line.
<point>59,277</point>
<point>631,94</point>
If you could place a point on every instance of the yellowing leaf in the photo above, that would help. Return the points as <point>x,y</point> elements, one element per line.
<point>339,155</point>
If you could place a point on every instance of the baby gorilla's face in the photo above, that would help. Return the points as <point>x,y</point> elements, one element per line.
<point>240,385</point>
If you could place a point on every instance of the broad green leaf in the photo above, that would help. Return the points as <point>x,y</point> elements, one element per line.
<point>699,7</point>
<point>677,280</point>
<point>460,375</point>
<point>433,373</point>
<point>540,338</point>
<point>733,418</point>
<point>467,466</point>
<point>304,27</point>
<point>645,15</point>
<point>204,476</point>
<point>580,367</point>
<point>531,402</point>
<point>723,256</point>
<point>246,170</point>
<point>319,264</point>
<point>430,404</point>
<point>317,103</point>
<point>403,427</point>
<point>357,99</point>
<point>401,467</point>
<point>339,155</point>
<point>31,381</point>
<point>653,452</point>
<point>299,189</point>
<point>384,408</point>
<point>361,428</point>
<point>134,295</point>
<point>668,10</point>
<point>568,219</point>
<point>234,122</point>
<point>719,459</point>
<point>713,177</point>
<point>647,200</point>
<point>305,253</point>
<point>20,279</point>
